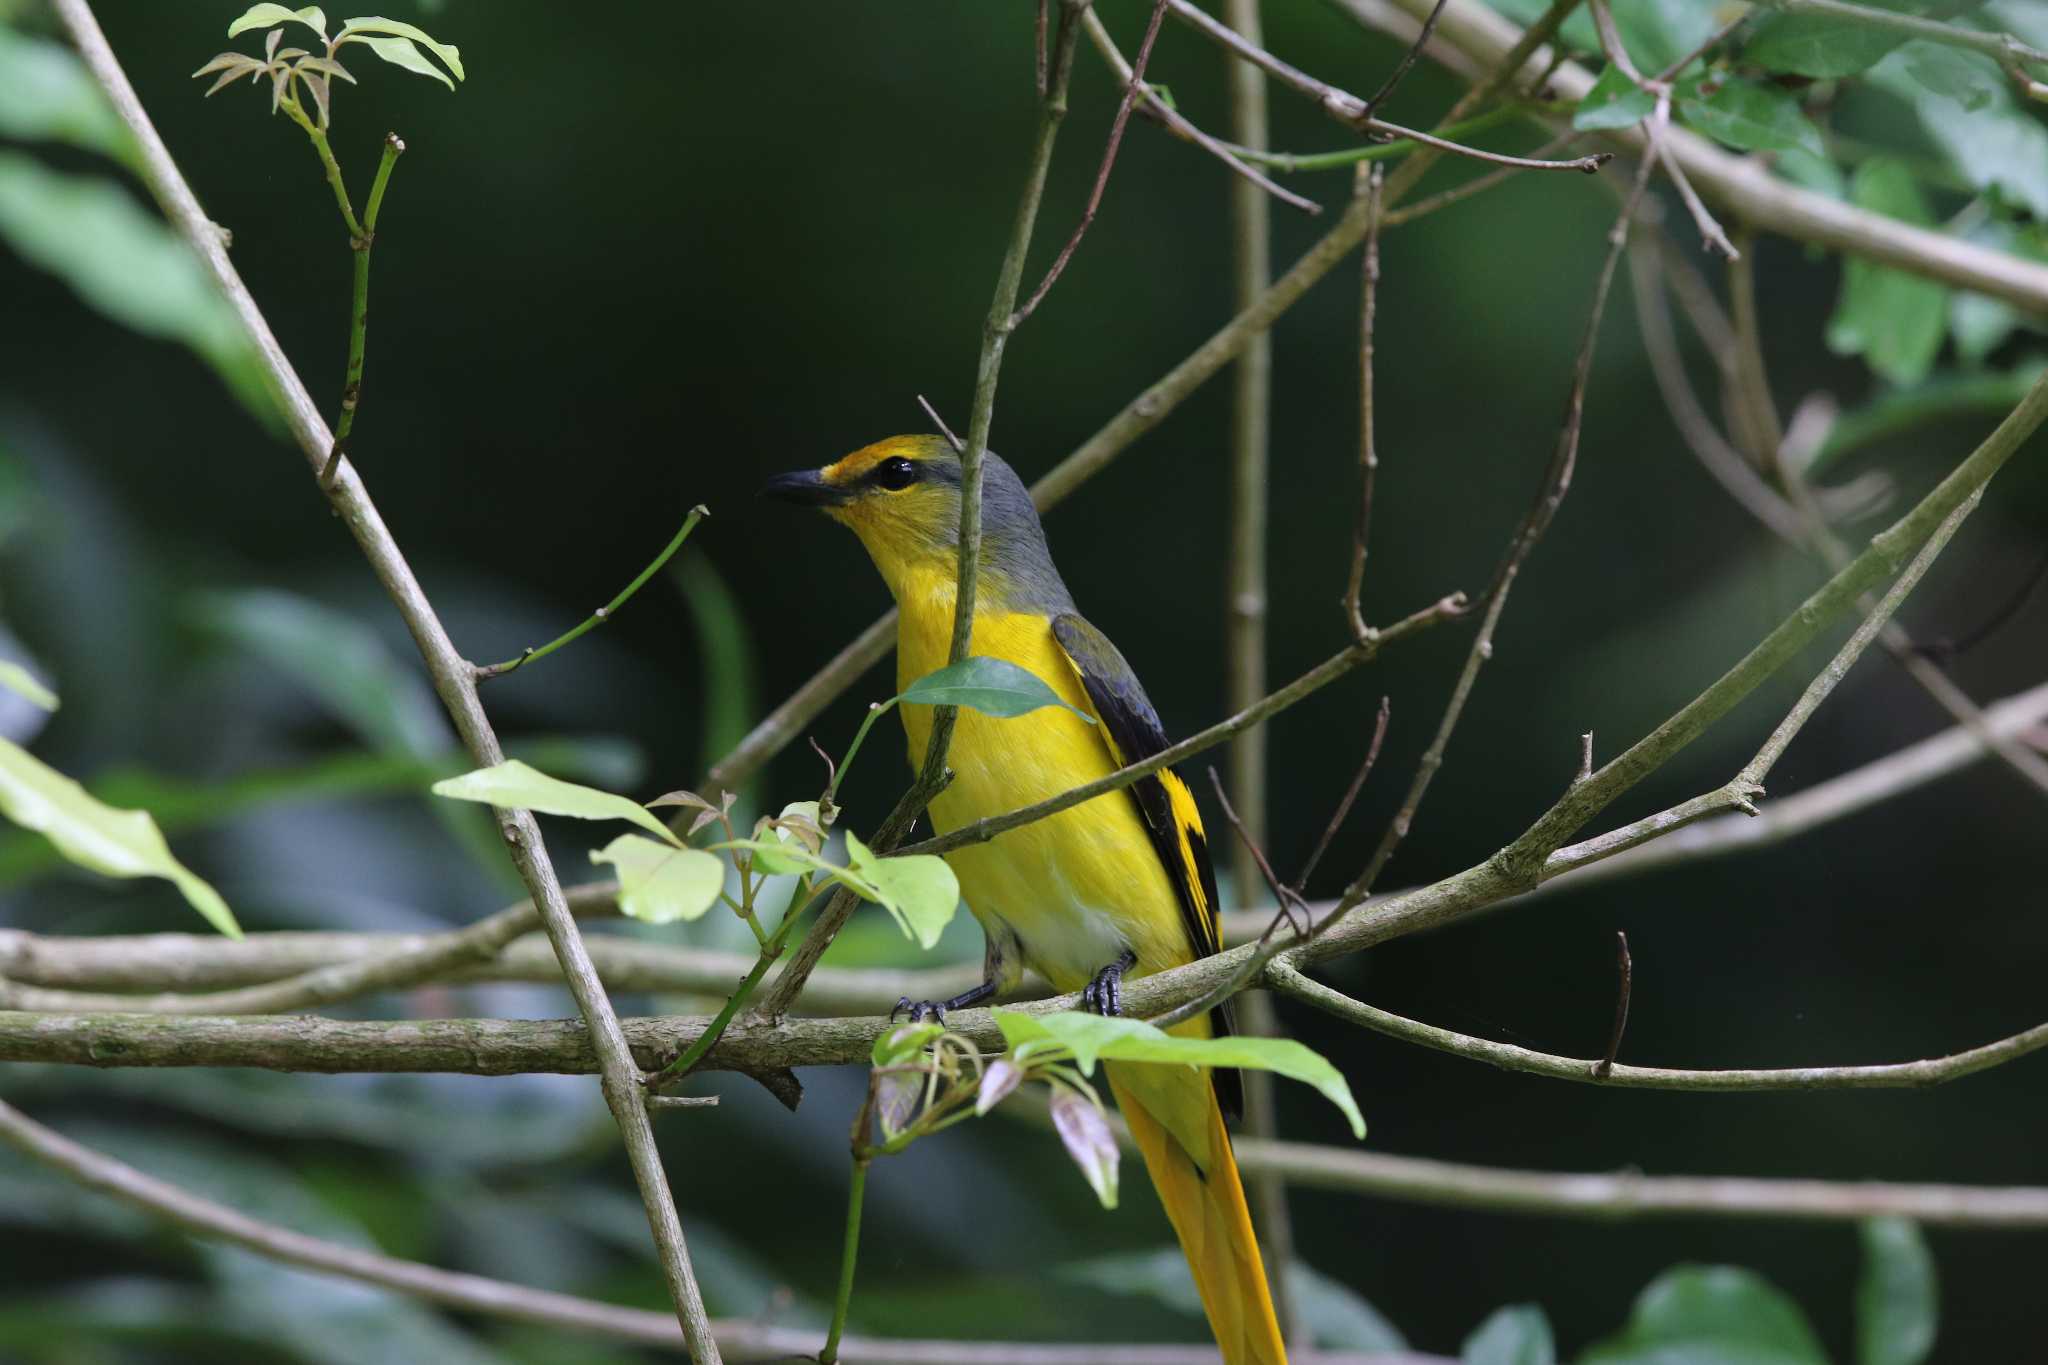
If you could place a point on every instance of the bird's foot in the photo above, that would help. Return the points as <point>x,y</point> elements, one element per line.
<point>919,1010</point>
<point>1104,994</point>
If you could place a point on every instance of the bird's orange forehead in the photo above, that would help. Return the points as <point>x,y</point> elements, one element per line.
<point>851,467</point>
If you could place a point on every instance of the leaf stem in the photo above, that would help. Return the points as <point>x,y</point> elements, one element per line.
<point>359,307</point>
<point>849,1256</point>
<point>603,613</point>
<point>875,712</point>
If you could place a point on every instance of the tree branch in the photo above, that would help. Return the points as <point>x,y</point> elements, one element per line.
<point>486,1297</point>
<point>453,676</point>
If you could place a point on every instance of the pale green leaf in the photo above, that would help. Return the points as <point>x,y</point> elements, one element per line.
<point>1518,1334</point>
<point>1966,106</point>
<point>1085,1133</point>
<point>126,264</point>
<point>269,16</point>
<point>994,687</point>
<point>513,785</point>
<point>20,681</point>
<point>447,52</point>
<point>401,53</point>
<point>1092,1037</point>
<point>118,843</point>
<point>1898,1301</point>
<point>46,94</point>
<point>1894,320</point>
<point>920,891</point>
<point>1615,101</point>
<point>660,883</point>
<point>1753,118</point>
<point>1711,1315</point>
<point>773,863</point>
<point>903,1042</point>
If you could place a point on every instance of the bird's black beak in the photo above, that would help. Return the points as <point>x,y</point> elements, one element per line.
<point>805,488</point>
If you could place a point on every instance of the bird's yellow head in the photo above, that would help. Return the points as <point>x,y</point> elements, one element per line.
<point>901,496</point>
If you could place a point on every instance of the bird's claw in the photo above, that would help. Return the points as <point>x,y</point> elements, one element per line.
<point>1104,993</point>
<point>919,1010</point>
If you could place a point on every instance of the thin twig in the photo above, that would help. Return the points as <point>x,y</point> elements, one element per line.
<point>453,676</point>
<point>603,614</point>
<point>1178,124</point>
<point>1624,967</point>
<point>1109,151</point>
<point>1345,107</point>
<point>1322,675</point>
<point>1370,183</point>
<point>1372,756</point>
<point>940,422</point>
<point>1286,897</point>
<point>1407,62</point>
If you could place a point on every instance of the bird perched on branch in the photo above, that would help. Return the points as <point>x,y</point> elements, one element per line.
<point>1117,886</point>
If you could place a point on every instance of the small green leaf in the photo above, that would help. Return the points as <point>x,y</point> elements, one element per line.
<point>119,843</point>
<point>447,52</point>
<point>1615,101</point>
<point>903,1042</point>
<point>1819,46</point>
<point>1089,1037</point>
<point>920,891</point>
<point>1720,1314</point>
<point>513,785</point>
<point>20,681</point>
<point>1516,1335</point>
<point>1753,118</point>
<point>660,883</point>
<point>1894,320</point>
<point>1085,1133</point>
<point>1897,1299</point>
<point>803,831</point>
<point>269,16</point>
<point>401,53</point>
<point>994,687</point>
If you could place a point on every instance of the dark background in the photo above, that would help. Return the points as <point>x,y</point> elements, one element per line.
<point>646,257</point>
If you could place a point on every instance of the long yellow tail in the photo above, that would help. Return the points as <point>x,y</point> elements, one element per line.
<point>1204,1200</point>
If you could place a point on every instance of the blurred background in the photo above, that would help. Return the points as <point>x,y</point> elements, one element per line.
<point>646,257</point>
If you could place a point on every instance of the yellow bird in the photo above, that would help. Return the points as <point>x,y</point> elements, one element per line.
<point>1117,886</point>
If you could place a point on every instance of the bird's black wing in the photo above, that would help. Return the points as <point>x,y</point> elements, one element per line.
<point>1165,805</point>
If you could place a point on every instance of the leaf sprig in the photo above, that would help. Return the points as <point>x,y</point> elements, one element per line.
<point>290,68</point>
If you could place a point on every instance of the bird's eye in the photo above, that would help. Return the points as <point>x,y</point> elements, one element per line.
<point>895,474</point>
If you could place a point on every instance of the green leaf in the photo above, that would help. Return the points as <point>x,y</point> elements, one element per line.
<point>447,52</point>
<point>903,1042</point>
<point>1615,101</point>
<point>127,265</point>
<point>1819,46</point>
<point>513,785</point>
<point>46,94</point>
<point>119,843</point>
<point>1894,320</point>
<point>1897,1299</point>
<point>1993,141</point>
<point>400,52</point>
<point>270,16</point>
<point>1711,1315</point>
<point>1085,1133</point>
<point>773,863</point>
<point>920,891</point>
<point>1092,1037</point>
<point>1518,1334</point>
<point>660,883</point>
<point>994,687</point>
<point>1753,118</point>
<point>20,681</point>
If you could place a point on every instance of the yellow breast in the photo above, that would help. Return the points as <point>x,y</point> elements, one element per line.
<point>1079,887</point>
